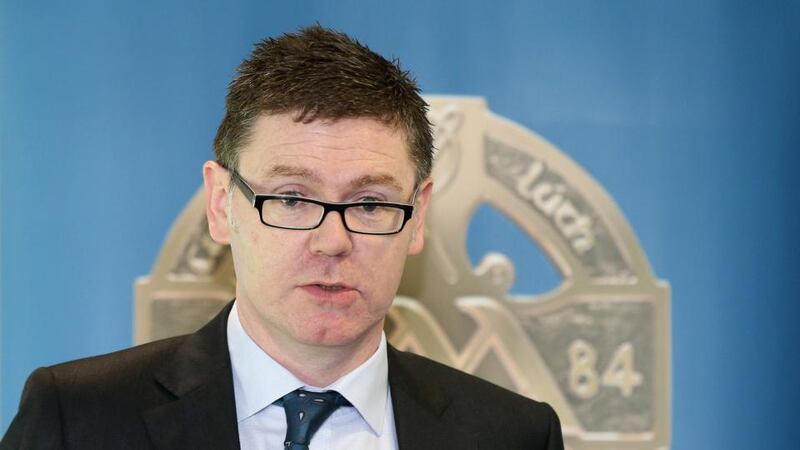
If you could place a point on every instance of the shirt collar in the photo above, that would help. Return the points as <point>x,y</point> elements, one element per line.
<point>259,380</point>
<point>367,387</point>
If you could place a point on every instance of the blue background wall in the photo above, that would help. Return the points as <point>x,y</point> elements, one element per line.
<point>687,112</point>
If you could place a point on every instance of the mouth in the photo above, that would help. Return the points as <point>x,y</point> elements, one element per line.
<point>331,287</point>
<point>337,292</point>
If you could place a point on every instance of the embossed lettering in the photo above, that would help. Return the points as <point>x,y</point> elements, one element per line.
<point>529,176</point>
<point>547,197</point>
<point>576,226</point>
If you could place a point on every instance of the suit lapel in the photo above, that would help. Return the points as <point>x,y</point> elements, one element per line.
<point>203,414</point>
<point>420,407</point>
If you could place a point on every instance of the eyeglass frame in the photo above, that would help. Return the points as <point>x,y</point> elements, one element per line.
<point>257,201</point>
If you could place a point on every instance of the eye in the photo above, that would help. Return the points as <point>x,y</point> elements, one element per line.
<point>368,208</point>
<point>289,202</point>
<point>293,199</point>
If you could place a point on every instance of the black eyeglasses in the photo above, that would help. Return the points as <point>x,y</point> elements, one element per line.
<point>299,213</point>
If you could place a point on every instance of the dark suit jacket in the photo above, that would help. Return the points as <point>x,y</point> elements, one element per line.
<point>178,394</point>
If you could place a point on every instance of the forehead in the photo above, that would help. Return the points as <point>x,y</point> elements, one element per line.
<point>324,151</point>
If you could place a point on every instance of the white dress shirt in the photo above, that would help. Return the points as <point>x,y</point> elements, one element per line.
<point>258,380</point>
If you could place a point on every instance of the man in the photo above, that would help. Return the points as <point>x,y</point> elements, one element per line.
<point>320,186</point>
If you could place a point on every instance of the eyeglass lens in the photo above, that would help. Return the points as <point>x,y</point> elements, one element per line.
<point>296,213</point>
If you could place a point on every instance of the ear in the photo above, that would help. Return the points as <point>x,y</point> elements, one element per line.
<point>418,221</point>
<point>216,182</point>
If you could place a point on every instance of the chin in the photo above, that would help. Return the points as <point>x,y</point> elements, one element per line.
<point>325,339</point>
<point>332,336</point>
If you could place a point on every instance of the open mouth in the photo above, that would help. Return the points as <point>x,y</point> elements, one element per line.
<point>330,288</point>
<point>338,293</point>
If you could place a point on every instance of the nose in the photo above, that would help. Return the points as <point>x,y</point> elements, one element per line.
<point>331,238</point>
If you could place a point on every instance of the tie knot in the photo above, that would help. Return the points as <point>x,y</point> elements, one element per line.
<point>326,399</point>
<point>305,413</point>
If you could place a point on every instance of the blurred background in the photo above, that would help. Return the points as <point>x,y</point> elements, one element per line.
<point>686,112</point>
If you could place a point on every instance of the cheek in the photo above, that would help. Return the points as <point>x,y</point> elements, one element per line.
<point>253,238</point>
<point>268,257</point>
<point>253,257</point>
<point>384,268</point>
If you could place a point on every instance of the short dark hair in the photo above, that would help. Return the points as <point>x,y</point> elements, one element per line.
<point>319,73</point>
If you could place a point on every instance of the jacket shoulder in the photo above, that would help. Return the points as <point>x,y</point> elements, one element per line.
<point>474,404</point>
<point>77,401</point>
<point>112,370</point>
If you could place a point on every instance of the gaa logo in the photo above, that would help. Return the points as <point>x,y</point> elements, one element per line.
<point>597,347</point>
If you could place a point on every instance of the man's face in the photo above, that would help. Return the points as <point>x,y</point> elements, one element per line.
<point>325,286</point>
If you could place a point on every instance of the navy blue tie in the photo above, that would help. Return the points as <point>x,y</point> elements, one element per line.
<point>305,413</point>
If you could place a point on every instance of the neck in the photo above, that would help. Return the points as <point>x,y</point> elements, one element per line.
<point>314,365</point>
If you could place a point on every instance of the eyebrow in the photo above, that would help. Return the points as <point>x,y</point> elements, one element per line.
<point>380,180</point>
<point>383,179</point>
<point>291,171</point>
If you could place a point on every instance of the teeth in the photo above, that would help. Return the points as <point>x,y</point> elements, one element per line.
<point>330,288</point>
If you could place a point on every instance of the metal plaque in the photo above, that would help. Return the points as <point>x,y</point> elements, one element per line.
<point>597,348</point>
